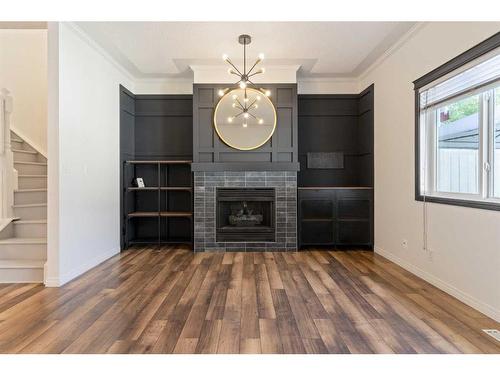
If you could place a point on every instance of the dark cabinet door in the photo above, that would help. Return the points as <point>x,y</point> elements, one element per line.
<point>354,217</point>
<point>335,217</point>
<point>316,217</point>
<point>353,232</point>
<point>317,233</point>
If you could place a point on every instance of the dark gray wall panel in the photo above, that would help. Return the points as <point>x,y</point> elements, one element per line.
<point>284,131</point>
<point>281,148</point>
<point>163,126</point>
<point>158,136</point>
<point>238,157</point>
<point>337,123</point>
<point>205,134</point>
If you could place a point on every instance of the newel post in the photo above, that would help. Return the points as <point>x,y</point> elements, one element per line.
<point>8,179</point>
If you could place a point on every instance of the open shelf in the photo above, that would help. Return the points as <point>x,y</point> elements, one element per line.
<point>334,187</point>
<point>161,213</point>
<point>164,217</point>
<point>147,188</point>
<point>176,214</point>
<point>163,188</point>
<point>159,161</point>
<point>176,188</point>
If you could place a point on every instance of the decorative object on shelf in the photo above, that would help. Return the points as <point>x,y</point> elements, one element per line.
<point>139,182</point>
<point>245,119</point>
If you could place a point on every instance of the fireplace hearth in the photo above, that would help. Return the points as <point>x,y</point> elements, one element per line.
<point>245,214</point>
<point>276,201</point>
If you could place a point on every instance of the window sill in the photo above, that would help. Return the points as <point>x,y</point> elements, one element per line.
<point>484,205</point>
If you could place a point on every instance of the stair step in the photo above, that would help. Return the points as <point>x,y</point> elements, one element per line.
<point>30,190</point>
<point>21,263</point>
<point>30,196</point>
<point>30,205</point>
<point>23,241</point>
<point>30,228</point>
<point>30,167</point>
<point>25,156</point>
<point>21,271</point>
<point>25,151</point>
<point>31,163</point>
<point>17,140</point>
<point>21,222</point>
<point>32,211</point>
<point>32,181</point>
<point>16,248</point>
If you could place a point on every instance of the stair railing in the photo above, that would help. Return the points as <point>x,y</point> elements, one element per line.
<point>8,179</point>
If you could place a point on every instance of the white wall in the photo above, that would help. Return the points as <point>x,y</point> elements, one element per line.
<point>305,85</point>
<point>85,166</point>
<point>23,71</point>
<point>464,242</point>
<point>328,86</point>
<point>163,86</point>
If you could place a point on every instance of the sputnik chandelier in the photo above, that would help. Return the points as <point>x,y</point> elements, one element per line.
<point>245,107</point>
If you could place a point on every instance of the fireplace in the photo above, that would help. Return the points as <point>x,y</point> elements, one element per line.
<point>245,214</point>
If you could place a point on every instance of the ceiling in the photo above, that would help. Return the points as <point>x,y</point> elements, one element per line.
<point>322,49</point>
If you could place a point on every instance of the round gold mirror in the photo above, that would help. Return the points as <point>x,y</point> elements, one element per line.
<point>245,119</point>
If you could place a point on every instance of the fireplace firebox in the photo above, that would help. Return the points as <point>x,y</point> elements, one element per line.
<point>245,215</point>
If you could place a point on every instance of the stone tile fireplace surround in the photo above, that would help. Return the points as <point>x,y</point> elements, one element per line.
<point>205,188</point>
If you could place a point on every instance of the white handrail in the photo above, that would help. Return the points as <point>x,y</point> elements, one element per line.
<point>7,173</point>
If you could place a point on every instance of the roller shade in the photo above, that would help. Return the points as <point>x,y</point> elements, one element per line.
<point>477,76</point>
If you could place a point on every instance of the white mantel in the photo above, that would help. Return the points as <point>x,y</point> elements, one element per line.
<point>219,74</point>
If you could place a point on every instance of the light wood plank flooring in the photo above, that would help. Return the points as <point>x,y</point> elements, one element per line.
<point>170,300</point>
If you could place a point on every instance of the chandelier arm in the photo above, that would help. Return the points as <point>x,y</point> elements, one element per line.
<point>235,73</point>
<point>253,66</point>
<point>250,106</point>
<point>239,114</point>
<point>238,106</point>
<point>252,115</point>
<point>254,74</point>
<point>239,103</point>
<point>230,63</point>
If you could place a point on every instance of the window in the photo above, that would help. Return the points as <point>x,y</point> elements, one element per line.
<point>458,130</point>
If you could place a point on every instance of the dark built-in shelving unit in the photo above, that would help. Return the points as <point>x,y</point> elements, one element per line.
<point>335,203</point>
<point>162,211</point>
<point>156,143</point>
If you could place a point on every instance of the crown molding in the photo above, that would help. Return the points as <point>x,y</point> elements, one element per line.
<point>96,47</point>
<point>393,49</point>
<point>355,79</point>
<point>328,79</point>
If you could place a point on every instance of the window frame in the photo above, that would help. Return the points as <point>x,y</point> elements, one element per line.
<point>486,154</point>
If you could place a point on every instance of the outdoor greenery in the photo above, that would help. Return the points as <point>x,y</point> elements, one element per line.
<point>461,109</point>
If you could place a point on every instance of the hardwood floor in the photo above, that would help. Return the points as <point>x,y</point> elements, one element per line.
<point>147,300</point>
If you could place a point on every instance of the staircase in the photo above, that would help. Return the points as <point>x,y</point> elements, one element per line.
<point>23,243</point>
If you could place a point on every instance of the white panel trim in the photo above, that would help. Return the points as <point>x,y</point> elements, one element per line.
<point>219,74</point>
<point>81,269</point>
<point>462,296</point>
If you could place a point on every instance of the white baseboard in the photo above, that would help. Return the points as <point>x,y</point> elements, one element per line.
<point>81,269</point>
<point>486,309</point>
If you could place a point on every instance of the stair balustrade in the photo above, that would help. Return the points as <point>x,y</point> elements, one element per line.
<point>8,180</point>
